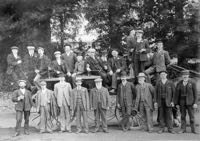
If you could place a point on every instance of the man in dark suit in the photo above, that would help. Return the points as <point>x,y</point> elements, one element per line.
<point>29,63</point>
<point>117,65</point>
<point>186,98</point>
<point>80,105</point>
<point>15,65</point>
<point>164,100</point>
<point>100,103</point>
<point>23,100</point>
<point>125,97</point>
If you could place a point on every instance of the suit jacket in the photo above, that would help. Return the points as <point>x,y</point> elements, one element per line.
<point>84,96</point>
<point>12,64</point>
<point>49,97</point>
<point>191,93</point>
<point>148,95</point>
<point>79,67</point>
<point>61,68</point>
<point>30,63</point>
<point>63,91</point>
<point>160,60</point>
<point>104,97</point>
<point>129,92</point>
<point>69,60</point>
<point>94,63</point>
<point>24,104</point>
<point>43,64</point>
<point>170,92</point>
<point>117,63</point>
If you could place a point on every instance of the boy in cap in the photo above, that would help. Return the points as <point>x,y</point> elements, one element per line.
<point>100,103</point>
<point>63,94</point>
<point>80,105</point>
<point>186,98</point>
<point>58,65</point>
<point>144,101</point>
<point>164,101</point>
<point>44,97</point>
<point>125,97</point>
<point>23,100</point>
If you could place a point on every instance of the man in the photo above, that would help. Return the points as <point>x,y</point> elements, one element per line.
<point>117,65</point>
<point>125,97</point>
<point>93,66</point>
<point>100,103</point>
<point>160,60</point>
<point>62,92</point>
<point>141,48</point>
<point>44,98</point>
<point>79,66</point>
<point>58,65</point>
<point>80,105</point>
<point>42,66</point>
<point>186,98</point>
<point>15,65</point>
<point>144,101</point>
<point>164,101</point>
<point>29,63</point>
<point>23,100</point>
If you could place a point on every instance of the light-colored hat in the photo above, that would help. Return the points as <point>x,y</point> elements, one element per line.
<point>41,48</point>
<point>42,83</point>
<point>24,81</point>
<point>30,47</point>
<point>98,80</point>
<point>91,50</point>
<point>57,52</point>
<point>139,31</point>
<point>141,75</point>
<point>14,47</point>
<point>78,80</point>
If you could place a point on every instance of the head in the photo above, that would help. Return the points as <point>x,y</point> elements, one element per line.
<point>62,78</point>
<point>185,75</point>
<point>132,33</point>
<point>98,83</point>
<point>40,51</point>
<point>14,50</point>
<point>91,52</point>
<point>57,54</point>
<point>67,48</point>
<point>22,84</point>
<point>123,77</point>
<point>79,58</point>
<point>43,85</point>
<point>163,75</point>
<point>160,45</point>
<point>139,34</point>
<point>78,82</point>
<point>141,78</point>
<point>31,49</point>
<point>114,53</point>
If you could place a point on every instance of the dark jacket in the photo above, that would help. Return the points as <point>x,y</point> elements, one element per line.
<point>69,60</point>
<point>170,92</point>
<point>12,64</point>
<point>191,93</point>
<point>104,95</point>
<point>24,104</point>
<point>117,63</point>
<point>93,63</point>
<point>30,63</point>
<point>43,64</point>
<point>62,68</point>
<point>129,92</point>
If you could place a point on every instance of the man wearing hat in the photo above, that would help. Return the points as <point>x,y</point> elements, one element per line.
<point>63,95</point>
<point>125,97</point>
<point>14,62</point>
<point>141,48</point>
<point>44,99</point>
<point>23,100</point>
<point>79,65</point>
<point>80,105</point>
<point>164,101</point>
<point>42,67</point>
<point>58,65</point>
<point>104,61</point>
<point>144,101</point>
<point>29,63</point>
<point>100,103</point>
<point>117,65</point>
<point>186,98</point>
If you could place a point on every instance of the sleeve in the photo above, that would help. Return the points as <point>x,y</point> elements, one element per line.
<point>156,93</point>
<point>10,61</point>
<point>123,64</point>
<point>76,67</point>
<point>30,98</point>
<point>137,100</point>
<point>15,96</point>
<point>173,91</point>
<point>152,90</point>
<point>177,93</point>
<point>87,99</point>
<point>194,89</point>
<point>91,98</point>
<point>133,91</point>
<point>147,46</point>
<point>108,101</point>
<point>167,58</point>
<point>118,95</point>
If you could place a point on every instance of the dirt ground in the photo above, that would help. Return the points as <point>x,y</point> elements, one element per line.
<point>7,124</point>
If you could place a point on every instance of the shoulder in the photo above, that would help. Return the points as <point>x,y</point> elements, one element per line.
<point>16,91</point>
<point>192,81</point>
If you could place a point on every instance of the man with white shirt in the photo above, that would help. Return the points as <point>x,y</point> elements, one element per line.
<point>58,65</point>
<point>62,92</point>
<point>23,100</point>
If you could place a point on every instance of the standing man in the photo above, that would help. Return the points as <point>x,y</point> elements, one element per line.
<point>58,65</point>
<point>29,63</point>
<point>23,100</point>
<point>186,98</point>
<point>100,103</point>
<point>80,105</point>
<point>125,97</point>
<point>117,65</point>
<point>144,101</point>
<point>42,66</point>
<point>15,65</point>
<point>62,92</point>
<point>44,98</point>
<point>164,101</point>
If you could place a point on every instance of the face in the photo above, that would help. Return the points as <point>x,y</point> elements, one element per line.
<point>132,33</point>
<point>185,77</point>
<point>14,51</point>
<point>114,53</point>
<point>31,51</point>
<point>79,58</point>
<point>98,84</point>
<point>43,87</point>
<point>40,51</point>
<point>123,79</point>
<point>163,75</point>
<point>22,85</point>
<point>91,54</point>
<point>160,46</point>
<point>139,35</point>
<point>141,80</point>
<point>57,56</point>
<point>67,48</point>
<point>62,78</point>
<point>78,84</point>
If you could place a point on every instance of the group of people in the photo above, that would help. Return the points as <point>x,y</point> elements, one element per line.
<point>71,99</point>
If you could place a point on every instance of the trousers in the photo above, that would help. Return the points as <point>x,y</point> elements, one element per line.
<point>100,113</point>
<point>19,120</point>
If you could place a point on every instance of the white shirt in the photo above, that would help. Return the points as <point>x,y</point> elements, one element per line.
<point>23,91</point>
<point>58,61</point>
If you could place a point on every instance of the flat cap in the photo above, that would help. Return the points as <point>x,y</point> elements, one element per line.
<point>57,52</point>
<point>141,75</point>
<point>41,48</point>
<point>185,72</point>
<point>19,81</point>
<point>139,31</point>
<point>30,47</point>
<point>14,47</point>
<point>91,50</point>
<point>78,80</point>
<point>42,83</point>
<point>98,80</point>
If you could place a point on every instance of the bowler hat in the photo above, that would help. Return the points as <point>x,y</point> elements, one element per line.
<point>14,47</point>
<point>185,72</point>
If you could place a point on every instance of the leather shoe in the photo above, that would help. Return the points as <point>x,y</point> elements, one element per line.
<point>16,134</point>
<point>105,131</point>
<point>181,131</point>
<point>160,131</point>
<point>195,132</point>
<point>172,132</point>
<point>86,132</point>
<point>26,132</point>
<point>78,131</point>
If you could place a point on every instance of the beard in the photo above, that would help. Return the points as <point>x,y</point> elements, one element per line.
<point>22,87</point>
